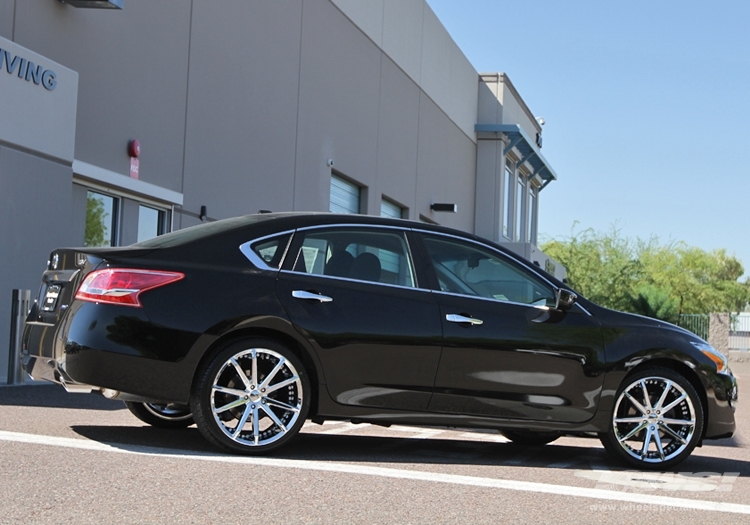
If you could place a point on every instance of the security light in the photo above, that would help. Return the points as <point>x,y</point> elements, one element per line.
<point>444,206</point>
<point>95,4</point>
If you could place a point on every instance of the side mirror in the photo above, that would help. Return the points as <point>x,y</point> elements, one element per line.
<point>564,299</point>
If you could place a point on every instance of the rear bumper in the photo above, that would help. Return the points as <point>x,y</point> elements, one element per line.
<point>96,347</point>
<point>42,368</point>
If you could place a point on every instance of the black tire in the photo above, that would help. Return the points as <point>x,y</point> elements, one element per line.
<point>246,414</point>
<point>529,438</point>
<point>162,415</point>
<point>669,435</point>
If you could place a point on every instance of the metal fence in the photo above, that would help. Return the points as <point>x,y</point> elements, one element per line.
<point>739,331</point>
<point>696,323</point>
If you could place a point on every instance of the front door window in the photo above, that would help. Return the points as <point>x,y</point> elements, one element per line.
<point>472,270</point>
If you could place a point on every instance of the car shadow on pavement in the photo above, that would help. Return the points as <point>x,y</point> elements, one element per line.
<point>145,438</point>
<point>384,450</point>
<point>54,396</point>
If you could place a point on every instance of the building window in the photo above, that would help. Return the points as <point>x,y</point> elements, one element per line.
<point>508,224</point>
<point>345,196</point>
<point>151,222</point>
<point>390,209</point>
<point>520,211</point>
<point>101,219</point>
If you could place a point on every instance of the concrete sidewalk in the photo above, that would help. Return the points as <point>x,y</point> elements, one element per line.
<point>739,362</point>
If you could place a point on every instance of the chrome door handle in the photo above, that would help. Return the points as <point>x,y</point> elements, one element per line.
<point>458,318</point>
<point>304,294</point>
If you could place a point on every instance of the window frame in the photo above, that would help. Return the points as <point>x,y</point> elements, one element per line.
<point>508,188</point>
<point>163,219</point>
<point>389,202</point>
<point>115,221</point>
<point>343,181</point>
<point>300,234</point>
<point>519,228</point>
<point>533,215</point>
<point>248,250</point>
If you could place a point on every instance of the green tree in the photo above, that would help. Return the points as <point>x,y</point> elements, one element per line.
<point>648,278</point>
<point>601,266</point>
<point>655,302</point>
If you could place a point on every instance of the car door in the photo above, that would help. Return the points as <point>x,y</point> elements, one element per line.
<point>353,293</point>
<point>507,352</point>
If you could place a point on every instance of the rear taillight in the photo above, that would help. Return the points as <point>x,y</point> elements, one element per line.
<point>123,285</point>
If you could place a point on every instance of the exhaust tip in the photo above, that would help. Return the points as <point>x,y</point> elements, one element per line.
<point>110,394</point>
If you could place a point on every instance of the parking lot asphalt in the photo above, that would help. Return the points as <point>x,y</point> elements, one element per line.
<point>72,458</point>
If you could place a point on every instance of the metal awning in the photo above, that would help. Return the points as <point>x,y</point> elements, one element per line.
<point>526,147</point>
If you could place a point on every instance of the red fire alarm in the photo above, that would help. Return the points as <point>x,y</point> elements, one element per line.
<point>134,148</point>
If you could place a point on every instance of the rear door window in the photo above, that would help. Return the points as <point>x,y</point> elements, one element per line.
<point>362,254</point>
<point>268,252</point>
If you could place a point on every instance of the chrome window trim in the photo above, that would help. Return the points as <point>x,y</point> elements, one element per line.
<point>401,229</point>
<point>489,299</point>
<point>354,225</point>
<point>334,277</point>
<point>579,305</point>
<point>258,262</point>
<point>498,301</point>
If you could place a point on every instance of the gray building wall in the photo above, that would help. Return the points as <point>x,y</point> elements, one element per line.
<point>238,107</point>
<point>30,229</point>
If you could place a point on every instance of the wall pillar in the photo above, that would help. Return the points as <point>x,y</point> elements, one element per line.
<point>718,332</point>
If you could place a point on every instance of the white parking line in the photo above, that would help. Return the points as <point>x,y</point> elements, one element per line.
<point>340,429</point>
<point>363,470</point>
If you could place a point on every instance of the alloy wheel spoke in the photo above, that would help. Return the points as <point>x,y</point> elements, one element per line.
<point>240,372</point>
<point>647,441</point>
<point>273,373</point>
<point>659,448</point>
<point>674,404</point>
<point>274,418</point>
<point>230,391</point>
<point>636,404</point>
<point>633,432</point>
<point>622,420</point>
<point>674,434</point>
<point>241,424</point>
<point>282,384</point>
<point>254,373</point>
<point>663,397</point>
<point>646,397</point>
<point>236,403</point>
<point>256,428</point>
<point>276,402</point>
<point>680,422</point>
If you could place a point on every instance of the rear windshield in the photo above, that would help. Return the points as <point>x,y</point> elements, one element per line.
<point>200,231</point>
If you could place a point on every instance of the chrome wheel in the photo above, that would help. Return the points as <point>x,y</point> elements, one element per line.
<point>169,411</point>
<point>253,398</point>
<point>163,415</point>
<point>658,419</point>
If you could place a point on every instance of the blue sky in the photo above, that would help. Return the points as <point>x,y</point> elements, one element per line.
<point>646,108</point>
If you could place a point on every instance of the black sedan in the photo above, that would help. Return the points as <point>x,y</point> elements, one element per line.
<point>250,326</point>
